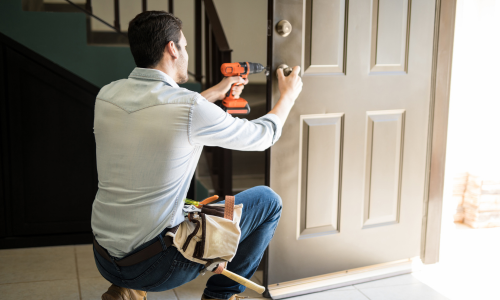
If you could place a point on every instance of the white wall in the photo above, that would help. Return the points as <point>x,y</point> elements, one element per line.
<point>474,120</point>
<point>474,116</point>
<point>244,22</point>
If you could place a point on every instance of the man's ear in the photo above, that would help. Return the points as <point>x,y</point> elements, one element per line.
<point>171,49</point>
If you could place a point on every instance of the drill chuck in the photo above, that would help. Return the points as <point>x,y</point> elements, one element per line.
<point>255,68</point>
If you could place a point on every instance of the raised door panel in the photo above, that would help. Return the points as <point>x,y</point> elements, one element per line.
<point>326,38</point>
<point>384,145</point>
<point>53,168</point>
<point>320,155</point>
<point>390,32</point>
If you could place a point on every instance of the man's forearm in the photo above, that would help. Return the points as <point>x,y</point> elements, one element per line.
<point>282,108</point>
<point>210,95</point>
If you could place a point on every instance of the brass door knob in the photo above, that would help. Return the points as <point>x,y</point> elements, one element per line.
<point>286,70</point>
<point>284,28</point>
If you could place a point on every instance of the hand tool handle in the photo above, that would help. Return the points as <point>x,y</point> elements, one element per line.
<point>242,280</point>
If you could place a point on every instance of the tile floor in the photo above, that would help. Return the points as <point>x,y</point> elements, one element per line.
<point>469,270</point>
<point>69,272</point>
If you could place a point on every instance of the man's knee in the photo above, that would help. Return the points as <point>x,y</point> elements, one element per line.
<point>269,195</point>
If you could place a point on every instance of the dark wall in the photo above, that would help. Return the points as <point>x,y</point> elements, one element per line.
<point>48,165</point>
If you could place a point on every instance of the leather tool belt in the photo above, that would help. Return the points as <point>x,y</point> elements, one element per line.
<point>194,238</point>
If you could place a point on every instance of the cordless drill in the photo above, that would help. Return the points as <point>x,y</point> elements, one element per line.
<point>237,106</point>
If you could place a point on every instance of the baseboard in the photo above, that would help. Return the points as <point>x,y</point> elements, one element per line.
<point>342,278</point>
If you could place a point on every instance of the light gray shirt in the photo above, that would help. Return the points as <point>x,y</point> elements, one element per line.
<point>149,135</point>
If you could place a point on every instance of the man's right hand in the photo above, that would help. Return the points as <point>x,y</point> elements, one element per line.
<point>290,88</point>
<point>291,85</point>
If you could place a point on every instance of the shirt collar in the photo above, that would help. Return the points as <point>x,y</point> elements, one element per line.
<point>152,74</point>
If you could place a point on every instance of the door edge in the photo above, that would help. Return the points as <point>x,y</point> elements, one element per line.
<point>444,30</point>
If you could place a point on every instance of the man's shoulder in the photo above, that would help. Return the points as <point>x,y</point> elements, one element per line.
<point>132,95</point>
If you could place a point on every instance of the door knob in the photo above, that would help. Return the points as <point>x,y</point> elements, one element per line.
<point>284,28</point>
<point>286,70</point>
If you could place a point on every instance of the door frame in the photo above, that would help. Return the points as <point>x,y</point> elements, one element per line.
<point>444,29</point>
<point>444,33</point>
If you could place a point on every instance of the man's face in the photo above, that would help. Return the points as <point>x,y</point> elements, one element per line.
<point>182,61</point>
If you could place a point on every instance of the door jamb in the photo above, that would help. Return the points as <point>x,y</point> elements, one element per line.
<point>438,128</point>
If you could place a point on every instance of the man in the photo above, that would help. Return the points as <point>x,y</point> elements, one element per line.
<point>149,136</point>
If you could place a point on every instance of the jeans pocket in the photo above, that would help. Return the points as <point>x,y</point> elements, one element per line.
<point>152,270</point>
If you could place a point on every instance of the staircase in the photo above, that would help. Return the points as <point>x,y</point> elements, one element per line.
<point>62,33</point>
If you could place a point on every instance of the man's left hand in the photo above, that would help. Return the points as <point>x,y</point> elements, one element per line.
<point>218,91</point>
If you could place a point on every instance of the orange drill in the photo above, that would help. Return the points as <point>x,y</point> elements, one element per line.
<point>237,106</point>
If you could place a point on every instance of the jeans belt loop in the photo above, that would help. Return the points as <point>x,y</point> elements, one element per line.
<point>160,237</point>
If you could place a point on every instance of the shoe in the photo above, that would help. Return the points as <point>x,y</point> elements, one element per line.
<point>120,293</point>
<point>233,297</point>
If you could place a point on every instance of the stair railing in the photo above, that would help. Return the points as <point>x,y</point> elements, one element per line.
<point>116,6</point>
<point>217,52</point>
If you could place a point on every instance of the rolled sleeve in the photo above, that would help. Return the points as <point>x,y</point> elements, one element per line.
<point>211,126</point>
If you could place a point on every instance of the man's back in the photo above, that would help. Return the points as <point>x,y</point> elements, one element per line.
<point>144,159</point>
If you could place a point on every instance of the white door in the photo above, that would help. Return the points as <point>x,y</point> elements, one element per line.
<point>351,163</point>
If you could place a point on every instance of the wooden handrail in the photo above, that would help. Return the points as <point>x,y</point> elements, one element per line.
<point>215,24</point>
<point>88,11</point>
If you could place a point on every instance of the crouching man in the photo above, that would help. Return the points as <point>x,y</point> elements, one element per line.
<point>149,135</point>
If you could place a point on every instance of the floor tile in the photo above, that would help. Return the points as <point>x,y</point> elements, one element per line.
<point>335,294</point>
<point>166,295</point>
<point>194,289</point>
<point>93,288</point>
<point>258,277</point>
<point>402,292</point>
<point>37,264</point>
<point>53,290</point>
<point>85,262</point>
<point>391,281</point>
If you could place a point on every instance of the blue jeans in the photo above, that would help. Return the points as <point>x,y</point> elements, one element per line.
<point>169,269</point>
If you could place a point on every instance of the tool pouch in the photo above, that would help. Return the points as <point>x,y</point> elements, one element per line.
<point>212,234</point>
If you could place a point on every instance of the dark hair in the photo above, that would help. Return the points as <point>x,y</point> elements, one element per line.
<point>148,34</point>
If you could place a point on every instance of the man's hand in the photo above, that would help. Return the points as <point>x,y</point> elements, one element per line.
<point>290,88</point>
<point>218,91</point>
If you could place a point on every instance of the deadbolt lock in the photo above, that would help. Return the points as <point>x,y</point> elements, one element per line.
<point>286,69</point>
<point>284,28</point>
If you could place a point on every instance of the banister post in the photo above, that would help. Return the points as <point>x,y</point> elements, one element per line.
<point>198,40</point>
<point>88,5</point>
<point>117,15</point>
<point>144,5</point>
<point>171,6</point>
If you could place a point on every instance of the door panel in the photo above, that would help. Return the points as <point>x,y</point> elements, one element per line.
<point>320,162</point>
<point>390,29</point>
<point>326,18</point>
<point>384,143</point>
<point>351,163</point>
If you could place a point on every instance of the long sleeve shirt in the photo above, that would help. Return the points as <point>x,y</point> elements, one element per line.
<point>149,135</point>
